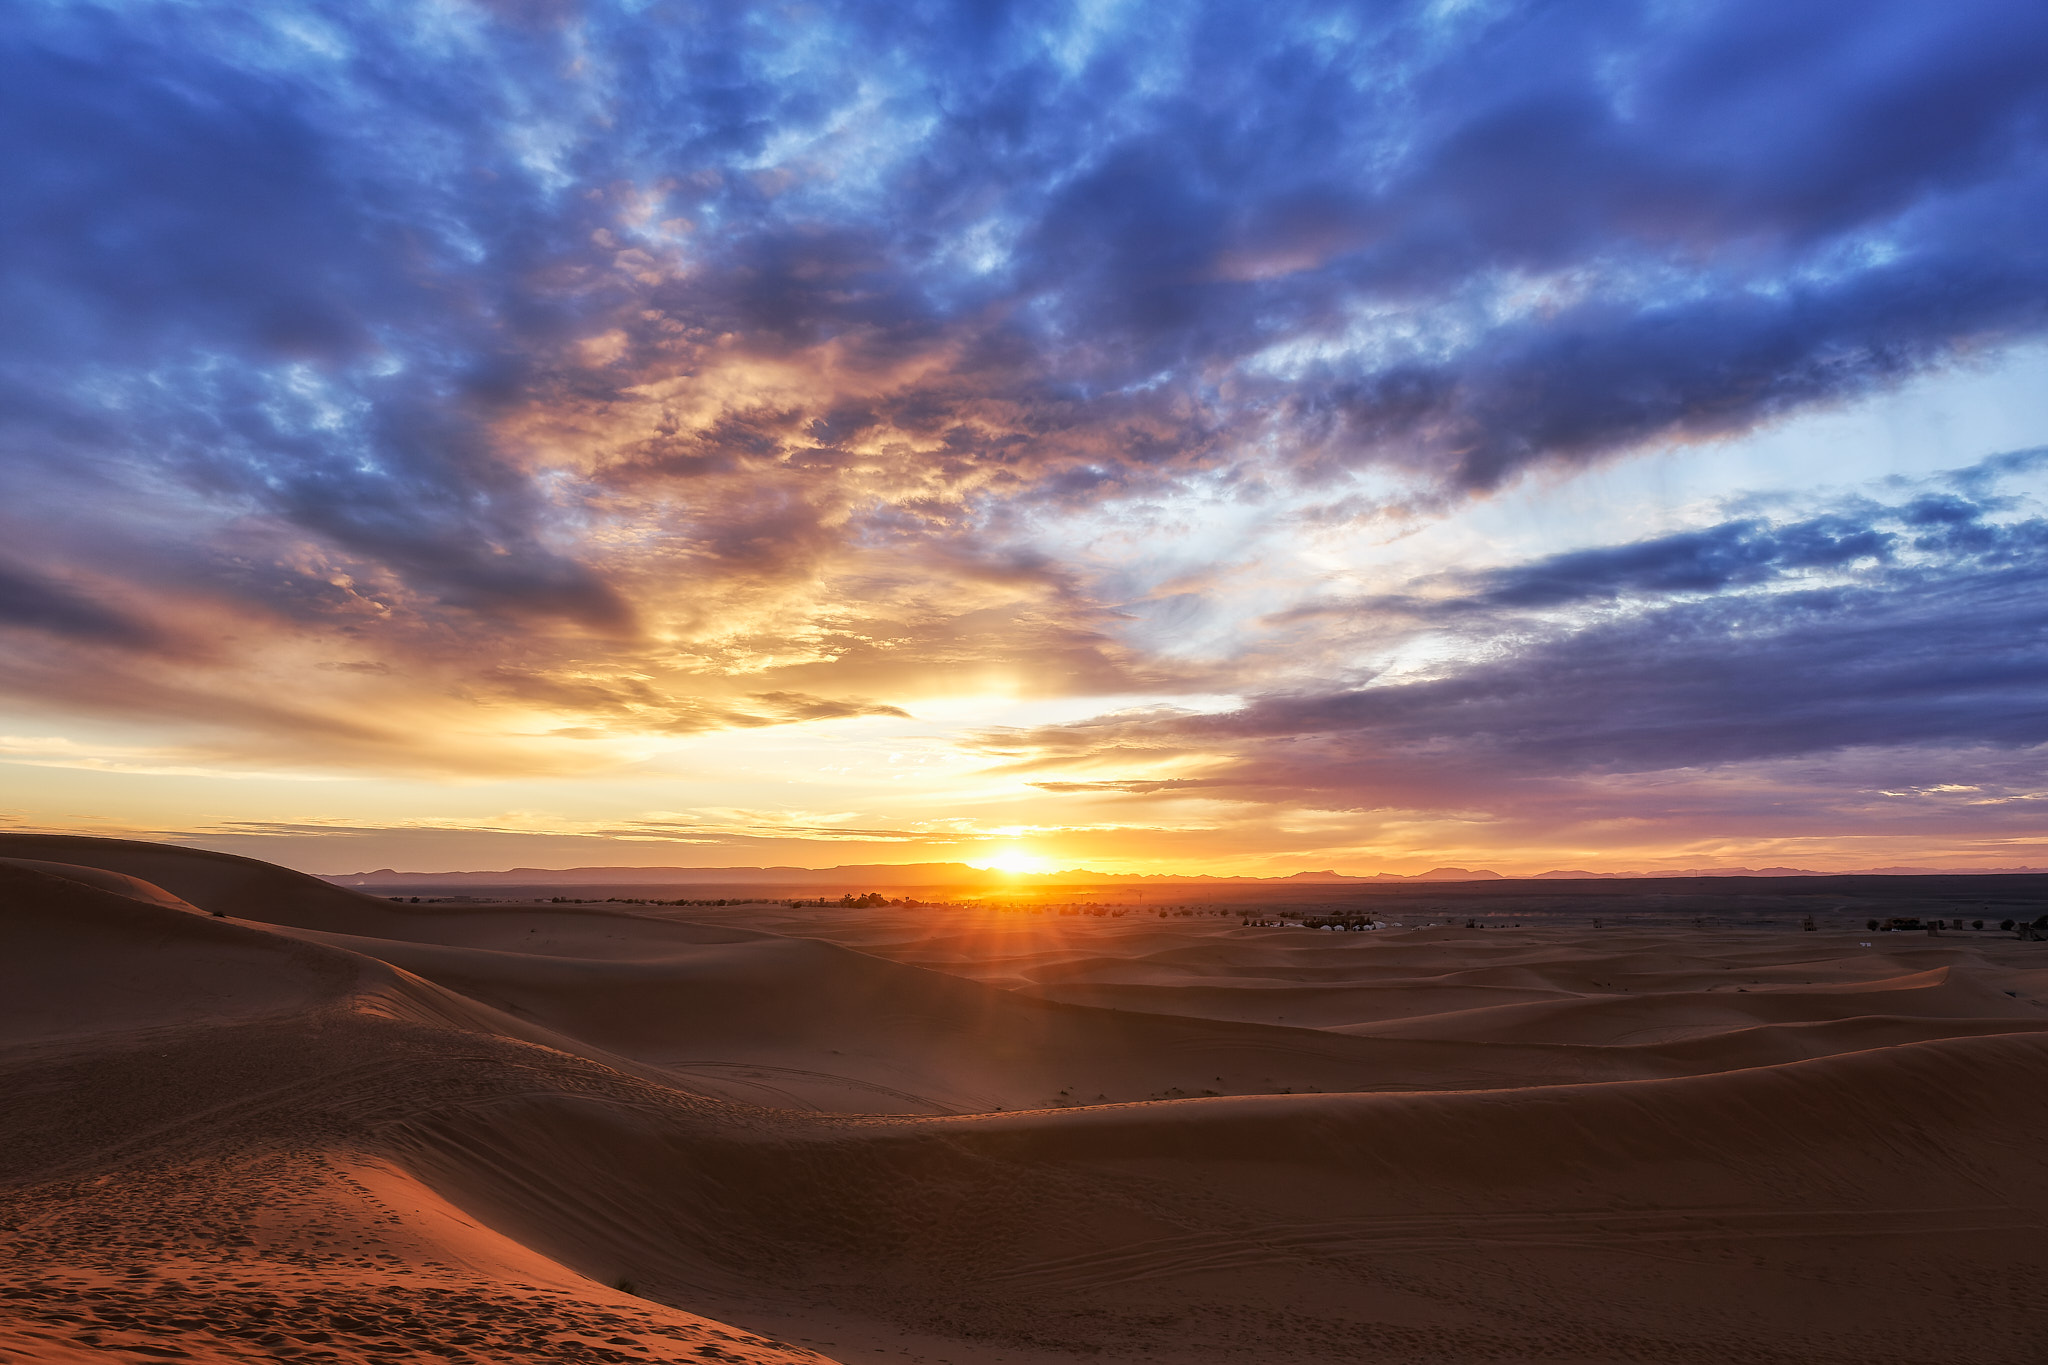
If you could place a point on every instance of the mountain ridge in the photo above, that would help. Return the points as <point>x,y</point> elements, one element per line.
<point>964,874</point>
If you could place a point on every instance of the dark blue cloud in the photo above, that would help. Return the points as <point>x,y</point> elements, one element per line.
<point>30,601</point>
<point>256,284</point>
<point>162,199</point>
<point>1733,554</point>
<point>1723,655</point>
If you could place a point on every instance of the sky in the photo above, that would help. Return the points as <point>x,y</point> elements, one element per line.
<point>1226,437</point>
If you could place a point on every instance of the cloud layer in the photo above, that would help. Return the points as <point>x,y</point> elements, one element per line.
<point>625,371</point>
<point>1881,662</point>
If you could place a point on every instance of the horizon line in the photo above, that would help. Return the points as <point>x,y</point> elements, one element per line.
<point>1441,873</point>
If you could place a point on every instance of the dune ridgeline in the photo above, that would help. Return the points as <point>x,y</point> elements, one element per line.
<point>250,1115</point>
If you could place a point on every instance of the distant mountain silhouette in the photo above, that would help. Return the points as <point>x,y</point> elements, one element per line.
<point>961,875</point>
<point>858,874</point>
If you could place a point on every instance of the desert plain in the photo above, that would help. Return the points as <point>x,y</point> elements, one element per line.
<point>251,1116</point>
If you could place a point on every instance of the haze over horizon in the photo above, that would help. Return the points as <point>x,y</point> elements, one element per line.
<point>1242,440</point>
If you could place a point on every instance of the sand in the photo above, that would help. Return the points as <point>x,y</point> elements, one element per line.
<point>252,1116</point>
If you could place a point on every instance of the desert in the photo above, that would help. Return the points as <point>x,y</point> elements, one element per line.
<point>1024,682</point>
<point>256,1116</point>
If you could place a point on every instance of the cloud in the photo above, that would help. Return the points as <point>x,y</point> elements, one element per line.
<point>34,602</point>
<point>693,368</point>
<point>1713,560</point>
<point>757,711</point>
<point>795,706</point>
<point>1142,786</point>
<point>1909,633</point>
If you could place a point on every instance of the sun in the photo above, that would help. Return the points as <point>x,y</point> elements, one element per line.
<point>1016,860</point>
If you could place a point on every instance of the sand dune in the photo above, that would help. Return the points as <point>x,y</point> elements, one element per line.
<point>1937,994</point>
<point>88,954</point>
<point>256,1117</point>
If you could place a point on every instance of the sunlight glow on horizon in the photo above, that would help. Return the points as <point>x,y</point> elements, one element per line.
<point>1016,861</point>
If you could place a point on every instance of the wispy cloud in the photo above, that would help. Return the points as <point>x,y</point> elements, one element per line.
<point>1908,633</point>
